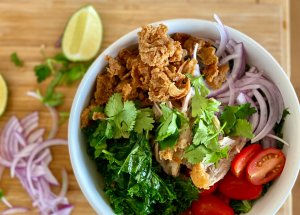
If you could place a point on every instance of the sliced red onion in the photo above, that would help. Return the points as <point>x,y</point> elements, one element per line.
<point>223,36</point>
<point>186,100</point>
<point>15,210</point>
<point>231,91</point>
<point>254,119</point>
<point>263,112</point>
<point>227,58</point>
<point>241,98</point>
<point>64,211</point>
<point>28,158</point>
<point>53,114</point>
<point>237,71</point>
<point>64,187</point>
<point>36,135</point>
<point>38,149</point>
<point>6,202</point>
<point>277,138</point>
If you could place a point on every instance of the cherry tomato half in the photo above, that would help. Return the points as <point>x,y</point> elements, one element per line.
<point>241,160</point>
<point>239,188</point>
<point>210,190</point>
<point>211,205</point>
<point>265,166</point>
<point>187,212</point>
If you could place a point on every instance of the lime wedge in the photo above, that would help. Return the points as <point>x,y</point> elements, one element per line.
<point>3,95</point>
<point>83,35</point>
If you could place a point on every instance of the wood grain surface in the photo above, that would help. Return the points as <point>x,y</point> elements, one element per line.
<point>26,25</point>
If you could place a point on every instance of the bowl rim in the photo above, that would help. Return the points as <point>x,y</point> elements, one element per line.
<point>74,148</point>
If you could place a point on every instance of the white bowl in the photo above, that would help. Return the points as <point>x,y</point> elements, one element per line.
<point>85,171</point>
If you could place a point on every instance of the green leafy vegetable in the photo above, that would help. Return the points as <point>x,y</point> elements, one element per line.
<point>279,126</point>
<point>16,60</point>
<point>206,129</point>
<point>170,123</point>
<point>235,118</point>
<point>241,206</point>
<point>134,182</point>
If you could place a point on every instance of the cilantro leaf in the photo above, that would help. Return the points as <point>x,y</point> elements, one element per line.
<point>199,84</point>
<point>242,128</point>
<point>121,115</point>
<point>42,72</point>
<point>16,60</point>
<point>144,120</point>
<point>170,122</point>
<point>195,154</point>
<point>234,118</point>
<point>114,105</point>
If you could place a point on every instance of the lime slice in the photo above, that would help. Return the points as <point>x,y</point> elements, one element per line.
<point>3,95</point>
<point>83,35</point>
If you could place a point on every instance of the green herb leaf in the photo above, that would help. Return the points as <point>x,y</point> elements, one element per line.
<point>242,128</point>
<point>199,84</point>
<point>16,60</point>
<point>170,123</point>
<point>42,72</point>
<point>235,120</point>
<point>144,120</point>
<point>121,116</point>
<point>114,105</point>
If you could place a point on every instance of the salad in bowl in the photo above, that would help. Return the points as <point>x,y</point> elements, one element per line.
<point>181,123</point>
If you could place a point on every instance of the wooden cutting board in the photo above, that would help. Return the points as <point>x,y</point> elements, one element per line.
<point>26,25</point>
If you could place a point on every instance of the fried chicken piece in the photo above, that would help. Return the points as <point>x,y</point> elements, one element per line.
<point>199,176</point>
<point>156,48</point>
<point>207,55</point>
<point>159,86</point>
<point>84,117</point>
<point>115,68</point>
<point>215,75</point>
<point>98,115</point>
<point>105,87</point>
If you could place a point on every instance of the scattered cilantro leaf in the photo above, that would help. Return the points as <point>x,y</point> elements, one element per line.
<point>63,71</point>
<point>205,146</point>
<point>199,84</point>
<point>242,128</point>
<point>1,194</point>
<point>42,72</point>
<point>170,122</point>
<point>114,105</point>
<point>144,120</point>
<point>235,118</point>
<point>121,115</point>
<point>16,60</point>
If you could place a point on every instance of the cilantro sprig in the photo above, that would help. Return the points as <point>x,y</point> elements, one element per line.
<point>235,118</point>
<point>171,122</point>
<point>206,129</point>
<point>122,119</point>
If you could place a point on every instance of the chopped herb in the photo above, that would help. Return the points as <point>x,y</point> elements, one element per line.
<point>63,71</point>
<point>235,118</point>
<point>16,60</point>
<point>171,122</point>
<point>144,120</point>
